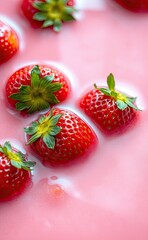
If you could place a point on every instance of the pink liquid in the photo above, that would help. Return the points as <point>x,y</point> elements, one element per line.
<point>104,197</point>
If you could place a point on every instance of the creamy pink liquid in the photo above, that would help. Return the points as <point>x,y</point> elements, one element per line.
<point>106,196</point>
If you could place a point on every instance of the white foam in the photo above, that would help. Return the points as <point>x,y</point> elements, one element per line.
<point>91,5</point>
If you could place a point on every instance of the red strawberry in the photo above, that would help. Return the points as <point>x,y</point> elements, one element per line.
<point>59,137</point>
<point>111,110</point>
<point>15,172</point>
<point>134,5</point>
<point>8,42</point>
<point>48,13</point>
<point>34,88</point>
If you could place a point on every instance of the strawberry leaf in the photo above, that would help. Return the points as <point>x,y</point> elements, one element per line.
<point>54,119</point>
<point>48,78</point>
<point>20,106</point>
<point>49,141</point>
<point>32,129</point>
<point>7,145</point>
<point>35,70</point>
<point>34,137</point>
<point>1,149</point>
<point>29,164</point>
<point>54,87</point>
<point>105,91</point>
<point>42,6</point>
<point>16,164</point>
<point>132,99</point>
<point>53,98</point>
<point>35,77</point>
<point>111,82</point>
<point>69,10</point>
<point>41,120</point>
<point>121,105</point>
<point>64,1</point>
<point>40,16</point>
<point>130,104</point>
<point>57,25</point>
<point>54,130</point>
<point>25,165</point>
<point>47,23</point>
<point>67,17</point>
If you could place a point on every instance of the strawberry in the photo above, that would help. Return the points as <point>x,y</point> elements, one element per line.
<point>8,42</point>
<point>34,88</point>
<point>15,172</point>
<point>49,13</point>
<point>59,137</point>
<point>134,5</point>
<point>112,111</point>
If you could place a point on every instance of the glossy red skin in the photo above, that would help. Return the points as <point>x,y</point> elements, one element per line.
<point>13,181</point>
<point>22,77</point>
<point>74,132</point>
<point>9,42</point>
<point>106,115</point>
<point>29,11</point>
<point>134,5</point>
<point>71,3</point>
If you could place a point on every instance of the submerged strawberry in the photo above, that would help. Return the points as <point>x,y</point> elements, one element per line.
<point>8,42</point>
<point>134,5</point>
<point>48,13</point>
<point>111,110</point>
<point>15,172</point>
<point>35,88</point>
<point>60,137</point>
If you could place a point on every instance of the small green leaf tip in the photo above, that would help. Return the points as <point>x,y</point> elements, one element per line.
<point>45,128</point>
<point>122,101</point>
<point>17,158</point>
<point>53,13</point>
<point>39,95</point>
<point>111,82</point>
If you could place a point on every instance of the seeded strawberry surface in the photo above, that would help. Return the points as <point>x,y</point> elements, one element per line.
<point>15,175</point>
<point>74,138</point>
<point>112,111</point>
<point>8,42</point>
<point>104,111</point>
<point>134,5</point>
<point>13,181</point>
<point>50,86</point>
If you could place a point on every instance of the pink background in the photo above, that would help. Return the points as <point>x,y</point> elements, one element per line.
<point>105,197</point>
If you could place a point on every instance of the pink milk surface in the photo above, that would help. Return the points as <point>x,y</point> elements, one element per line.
<point>104,197</point>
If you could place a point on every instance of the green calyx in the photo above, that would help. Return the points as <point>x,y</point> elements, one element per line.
<point>39,95</point>
<point>45,128</point>
<point>17,159</point>
<point>122,101</point>
<point>53,13</point>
